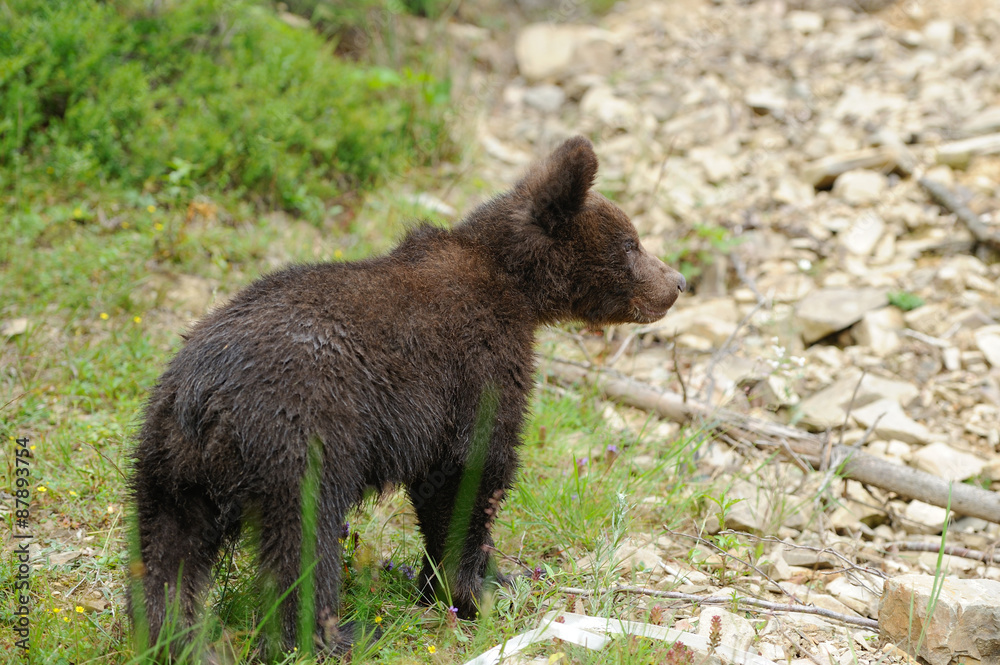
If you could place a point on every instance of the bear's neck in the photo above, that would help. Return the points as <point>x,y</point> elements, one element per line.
<point>521,255</point>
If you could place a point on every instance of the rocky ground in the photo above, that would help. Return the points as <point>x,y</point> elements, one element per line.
<point>777,151</point>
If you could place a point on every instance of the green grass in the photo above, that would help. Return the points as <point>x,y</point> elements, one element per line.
<point>201,96</point>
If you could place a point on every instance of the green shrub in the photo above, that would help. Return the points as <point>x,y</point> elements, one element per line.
<point>202,95</point>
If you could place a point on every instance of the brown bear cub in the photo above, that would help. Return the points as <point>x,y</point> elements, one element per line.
<point>383,362</point>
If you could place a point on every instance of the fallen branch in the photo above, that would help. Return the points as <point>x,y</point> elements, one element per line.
<point>950,550</point>
<point>944,198</point>
<point>904,481</point>
<point>870,624</point>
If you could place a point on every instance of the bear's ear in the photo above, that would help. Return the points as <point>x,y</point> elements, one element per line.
<point>557,187</point>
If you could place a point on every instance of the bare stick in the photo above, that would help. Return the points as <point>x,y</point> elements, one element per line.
<point>870,624</point>
<point>944,198</point>
<point>951,550</point>
<point>867,469</point>
<point>707,543</point>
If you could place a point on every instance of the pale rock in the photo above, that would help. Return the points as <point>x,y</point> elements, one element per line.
<point>992,470</point>
<point>970,525</point>
<point>952,358</point>
<point>949,565</point>
<point>910,214</point>
<point>14,327</point>
<point>863,234</point>
<point>825,171</point>
<point>885,532</point>
<point>877,330</point>
<point>794,192</point>
<point>978,283</point>
<point>859,598</point>
<point>828,407</point>
<point>776,567</point>
<point>932,319</point>
<point>94,605</point>
<point>432,203</point>
<point>695,343</point>
<point>892,423</point>
<point>499,150</point>
<point>777,391</point>
<point>827,603</point>
<point>988,341</point>
<point>802,557</point>
<point>804,22</point>
<point>689,317</point>
<point>62,558</point>
<point>984,122</point>
<point>772,652</point>
<point>546,98</point>
<point>939,35</point>
<point>785,287</point>
<point>633,555</point>
<point>949,279</point>
<point>547,51</point>
<point>860,187</point>
<point>717,166</point>
<point>946,462</point>
<point>601,103</point>
<point>958,154</point>
<point>892,450</point>
<point>766,101</point>
<point>697,127</point>
<point>858,506</point>
<point>737,632</point>
<point>829,310</point>
<point>924,518</point>
<point>964,626</point>
<point>760,510</point>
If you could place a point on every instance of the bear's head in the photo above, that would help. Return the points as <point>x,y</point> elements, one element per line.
<point>598,270</point>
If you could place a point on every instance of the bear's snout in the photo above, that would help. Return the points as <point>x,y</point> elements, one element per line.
<point>658,288</point>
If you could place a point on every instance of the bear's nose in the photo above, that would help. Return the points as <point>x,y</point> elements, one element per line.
<point>681,284</point>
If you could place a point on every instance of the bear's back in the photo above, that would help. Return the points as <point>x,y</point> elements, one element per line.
<point>368,355</point>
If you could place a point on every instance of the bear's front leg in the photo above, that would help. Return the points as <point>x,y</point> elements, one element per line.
<point>456,516</point>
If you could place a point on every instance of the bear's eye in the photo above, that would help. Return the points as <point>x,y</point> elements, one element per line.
<point>629,246</point>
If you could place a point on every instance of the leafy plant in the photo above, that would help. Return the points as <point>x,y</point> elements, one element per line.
<point>904,300</point>
<point>700,248</point>
<point>205,95</point>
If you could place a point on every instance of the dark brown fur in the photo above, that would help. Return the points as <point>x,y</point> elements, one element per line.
<point>384,360</point>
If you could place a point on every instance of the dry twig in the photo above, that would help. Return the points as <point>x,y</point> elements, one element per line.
<point>947,200</point>
<point>951,550</point>
<point>870,624</point>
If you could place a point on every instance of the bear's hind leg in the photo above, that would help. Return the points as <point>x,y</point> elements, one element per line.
<point>179,539</point>
<point>281,559</point>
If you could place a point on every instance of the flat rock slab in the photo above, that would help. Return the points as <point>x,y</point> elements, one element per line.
<point>827,311</point>
<point>946,462</point>
<point>828,407</point>
<point>892,422</point>
<point>547,51</point>
<point>963,627</point>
